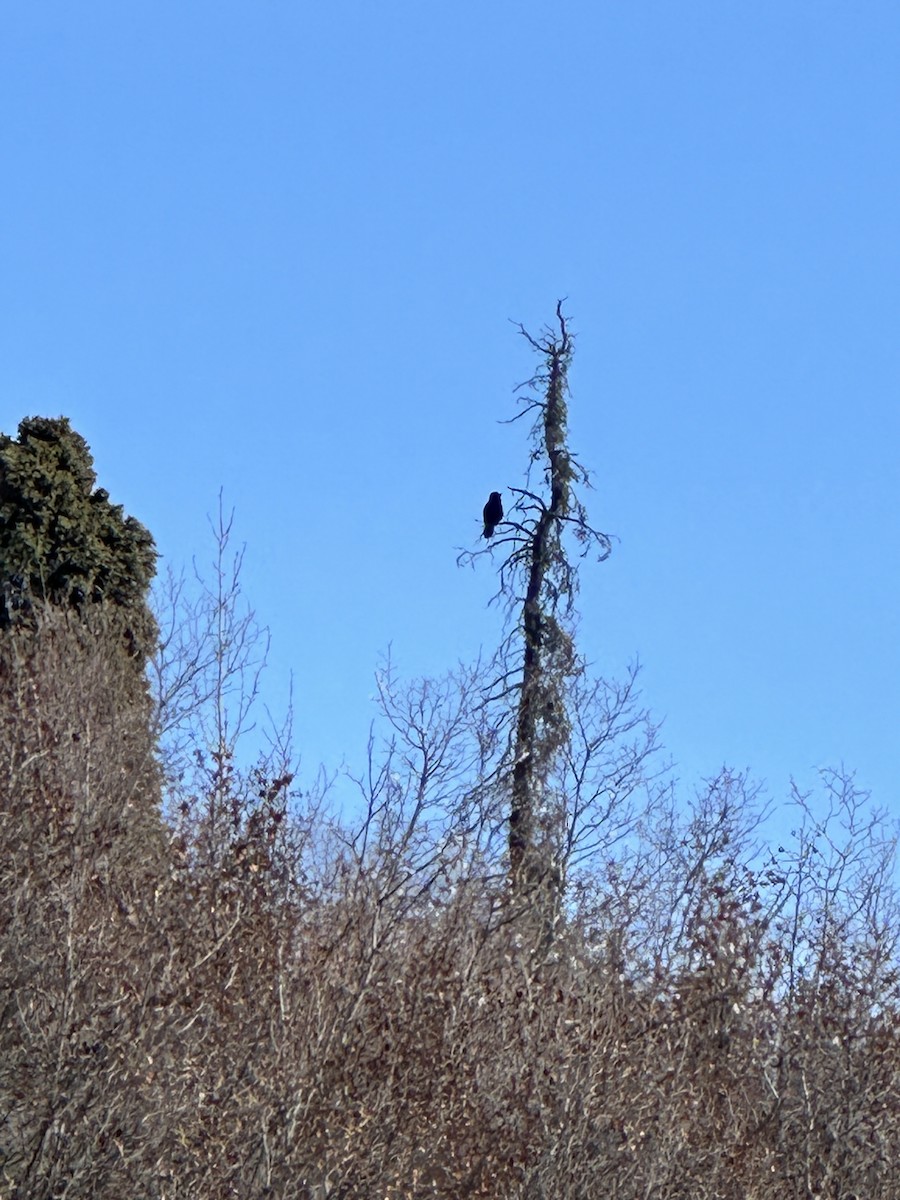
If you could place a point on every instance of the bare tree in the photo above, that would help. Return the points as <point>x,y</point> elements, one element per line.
<point>211,655</point>
<point>539,582</point>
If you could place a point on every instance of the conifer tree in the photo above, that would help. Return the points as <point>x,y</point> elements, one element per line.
<point>62,542</point>
<point>76,632</point>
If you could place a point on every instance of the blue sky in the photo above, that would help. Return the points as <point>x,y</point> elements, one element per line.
<point>274,247</point>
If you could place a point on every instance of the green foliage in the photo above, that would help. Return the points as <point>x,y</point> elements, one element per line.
<point>61,541</point>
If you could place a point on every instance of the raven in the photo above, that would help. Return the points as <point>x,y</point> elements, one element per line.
<point>493,514</point>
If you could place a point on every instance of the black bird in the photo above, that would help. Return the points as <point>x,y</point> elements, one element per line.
<point>493,514</point>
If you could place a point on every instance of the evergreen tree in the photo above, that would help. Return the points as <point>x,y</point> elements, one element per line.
<point>76,632</point>
<point>62,542</point>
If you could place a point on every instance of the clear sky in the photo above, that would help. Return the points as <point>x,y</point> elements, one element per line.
<point>274,247</point>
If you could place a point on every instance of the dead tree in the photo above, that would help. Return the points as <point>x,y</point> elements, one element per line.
<point>539,581</point>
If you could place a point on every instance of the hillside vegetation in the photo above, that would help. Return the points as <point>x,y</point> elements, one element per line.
<point>529,967</point>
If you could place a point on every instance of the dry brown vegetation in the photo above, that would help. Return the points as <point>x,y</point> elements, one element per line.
<point>255,999</point>
<point>523,964</point>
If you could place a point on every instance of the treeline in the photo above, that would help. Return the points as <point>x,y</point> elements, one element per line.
<point>529,967</point>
